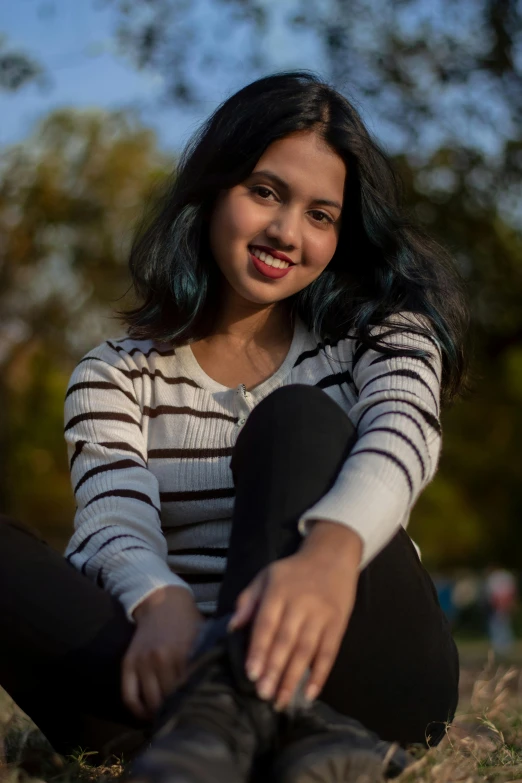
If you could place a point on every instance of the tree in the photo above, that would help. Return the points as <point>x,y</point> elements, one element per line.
<point>68,199</point>
<point>431,73</point>
<point>16,68</point>
<point>471,512</point>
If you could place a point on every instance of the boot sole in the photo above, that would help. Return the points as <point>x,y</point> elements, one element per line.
<point>181,758</point>
<point>327,762</point>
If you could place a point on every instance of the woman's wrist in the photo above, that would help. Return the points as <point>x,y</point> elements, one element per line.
<point>333,540</point>
<point>159,598</point>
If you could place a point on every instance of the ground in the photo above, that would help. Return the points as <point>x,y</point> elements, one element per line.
<point>484,743</point>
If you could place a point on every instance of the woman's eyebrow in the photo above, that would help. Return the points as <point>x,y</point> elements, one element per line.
<point>282,184</point>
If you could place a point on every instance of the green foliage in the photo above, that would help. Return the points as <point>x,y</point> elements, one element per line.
<point>69,198</point>
<point>37,472</point>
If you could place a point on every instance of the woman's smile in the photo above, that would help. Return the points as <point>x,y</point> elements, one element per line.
<point>286,215</point>
<point>269,266</point>
<point>271,257</point>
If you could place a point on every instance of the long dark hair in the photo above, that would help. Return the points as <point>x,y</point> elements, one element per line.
<point>383,263</point>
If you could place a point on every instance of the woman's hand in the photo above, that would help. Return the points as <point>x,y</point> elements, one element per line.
<point>168,622</point>
<point>302,605</point>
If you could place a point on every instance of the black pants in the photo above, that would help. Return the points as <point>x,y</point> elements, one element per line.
<point>63,638</point>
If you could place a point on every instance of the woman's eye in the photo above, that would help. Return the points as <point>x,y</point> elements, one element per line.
<point>266,193</point>
<point>260,190</point>
<point>321,217</point>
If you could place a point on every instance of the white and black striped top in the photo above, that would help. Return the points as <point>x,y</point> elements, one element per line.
<point>150,437</point>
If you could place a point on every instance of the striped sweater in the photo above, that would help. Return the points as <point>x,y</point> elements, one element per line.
<point>150,437</point>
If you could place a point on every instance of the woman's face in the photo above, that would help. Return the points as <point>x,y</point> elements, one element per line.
<point>291,204</point>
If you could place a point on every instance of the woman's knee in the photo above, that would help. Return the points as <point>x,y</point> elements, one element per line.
<point>298,423</point>
<point>302,392</point>
<point>299,404</point>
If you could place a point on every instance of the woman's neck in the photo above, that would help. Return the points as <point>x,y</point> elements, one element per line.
<point>242,327</point>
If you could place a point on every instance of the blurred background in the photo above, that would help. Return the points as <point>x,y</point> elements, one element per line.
<point>96,101</point>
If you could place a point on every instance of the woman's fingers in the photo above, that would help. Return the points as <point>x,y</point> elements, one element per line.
<point>298,660</point>
<point>150,689</point>
<point>130,691</point>
<point>146,685</point>
<point>168,676</point>
<point>247,603</point>
<point>265,626</point>
<point>285,640</point>
<point>322,663</point>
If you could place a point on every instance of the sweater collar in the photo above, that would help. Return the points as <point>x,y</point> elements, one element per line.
<point>194,371</point>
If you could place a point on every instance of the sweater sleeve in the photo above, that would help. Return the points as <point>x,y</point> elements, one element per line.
<point>118,541</point>
<point>399,439</point>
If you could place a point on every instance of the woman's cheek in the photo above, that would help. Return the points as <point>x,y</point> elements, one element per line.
<point>321,253</point>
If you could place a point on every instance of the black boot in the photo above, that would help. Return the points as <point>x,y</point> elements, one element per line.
<point>319,744</point>
<point>213,727</point>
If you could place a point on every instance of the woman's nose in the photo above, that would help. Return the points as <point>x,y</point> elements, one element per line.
<point>285,227</point>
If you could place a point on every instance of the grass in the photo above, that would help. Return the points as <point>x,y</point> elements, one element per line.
<point>484,743</point>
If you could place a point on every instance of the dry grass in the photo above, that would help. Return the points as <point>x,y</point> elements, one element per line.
<point>483,744</point>
<point>28,758</point>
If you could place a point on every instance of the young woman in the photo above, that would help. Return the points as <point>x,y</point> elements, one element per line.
<point>246,460</point>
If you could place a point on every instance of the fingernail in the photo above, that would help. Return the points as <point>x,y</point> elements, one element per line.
<point>311,692</point>
<point>265,689</point>
<point>253,671</point>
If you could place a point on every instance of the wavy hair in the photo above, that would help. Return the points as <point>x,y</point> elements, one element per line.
<point>383,264</point>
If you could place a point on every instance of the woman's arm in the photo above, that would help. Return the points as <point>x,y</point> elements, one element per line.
<point>118,541</point>
<point>327,540</point>
<point>398,446</point>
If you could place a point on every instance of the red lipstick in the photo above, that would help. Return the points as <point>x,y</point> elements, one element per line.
<point>266,270</point>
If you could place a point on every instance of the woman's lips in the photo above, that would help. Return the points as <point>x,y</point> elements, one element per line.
<point>274,253</point>
<point>268,271</point>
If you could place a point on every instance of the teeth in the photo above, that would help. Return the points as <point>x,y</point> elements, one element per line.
<point>277,263</point>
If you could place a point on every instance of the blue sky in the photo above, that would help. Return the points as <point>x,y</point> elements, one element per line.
<point>74,40</point>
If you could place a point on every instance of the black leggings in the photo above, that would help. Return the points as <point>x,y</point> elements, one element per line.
<point>63,638</point>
